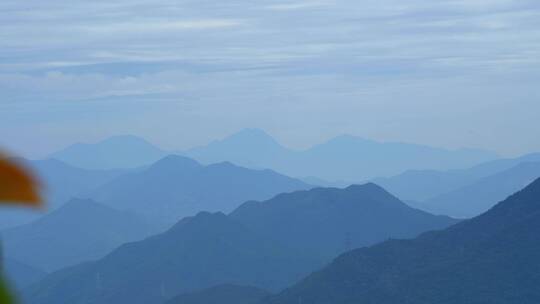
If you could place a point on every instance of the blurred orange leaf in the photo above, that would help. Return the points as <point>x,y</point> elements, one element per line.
<point>17,184</point>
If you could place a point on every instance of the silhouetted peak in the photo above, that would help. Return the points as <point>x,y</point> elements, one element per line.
<point>223,165</point>
<point>251,137</point>
<point>251,132</point>
<point>175,162</point>
<point>203,220</point>
<point>367,187</point>
<point>369,192</point>
<point>205,215</point>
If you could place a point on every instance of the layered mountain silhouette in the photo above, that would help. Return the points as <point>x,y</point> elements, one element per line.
<point>21,275</point>
<point>112,153</point>
<point>492,258</point>
<point>329,221</point>
<point>60,182</point>
<point>177,186</point>
<point>198,252</point>
<point>80,230</point>
<point>252,148</point>
<point>341,158</point>
<point>268,245</point>
<point>222,294</point>
<point>478,197</point>
<point>422,185</point>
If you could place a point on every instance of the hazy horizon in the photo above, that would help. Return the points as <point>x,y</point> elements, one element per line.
<point>270,151</point>
<point>447,74</point>
<point>178,148</point>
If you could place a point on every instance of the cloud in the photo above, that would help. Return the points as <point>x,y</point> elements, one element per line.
<point>298,5</point>
<point>160,26</point>
<point>343,63</point>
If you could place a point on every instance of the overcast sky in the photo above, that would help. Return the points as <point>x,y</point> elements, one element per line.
<point>449,73</point>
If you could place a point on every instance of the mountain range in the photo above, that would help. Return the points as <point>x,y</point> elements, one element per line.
<point>125,151</point>
<point>492,258</point>
<point>329,221</point>
<point>267,245</point>
<point>467,192</point>
<point>478,197</point>
<point>80,230</point>
<point>60,182</point>
<point>177,186</point>
<point>198,252</point>
<point>341,158</point>
<point>344,157</point>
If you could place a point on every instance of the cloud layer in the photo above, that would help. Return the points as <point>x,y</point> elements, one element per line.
<point>451,73</point>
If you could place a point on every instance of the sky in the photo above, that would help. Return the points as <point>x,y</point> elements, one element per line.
<point>447,73</point>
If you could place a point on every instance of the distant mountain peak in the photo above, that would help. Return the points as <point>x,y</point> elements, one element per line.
<point>356,191</point>
<point>203,219</point>
<point>373,191</point>
<point>251,136</point>
<point>255,132</point>
<point>174,161</point>
<point>123,151</point>
<point>203,216</point>
<point>367,187</point>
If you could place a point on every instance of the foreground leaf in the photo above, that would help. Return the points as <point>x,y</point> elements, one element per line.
<point>17,184</point>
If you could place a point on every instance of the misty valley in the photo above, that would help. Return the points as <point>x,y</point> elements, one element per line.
<point>189,227</point>
<point>269,152</point>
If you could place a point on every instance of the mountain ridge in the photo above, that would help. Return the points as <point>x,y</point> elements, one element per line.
<point>79,230</point>
<point>491,258</point>
<point>247,247</point>
<point>205,250</point>
<point>332,160</point>
<point>116,152</point>
<point>327,220</point>
<point>176,186</point>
